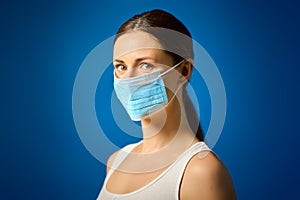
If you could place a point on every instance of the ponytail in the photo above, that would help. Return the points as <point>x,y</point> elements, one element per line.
<point>192,116</point>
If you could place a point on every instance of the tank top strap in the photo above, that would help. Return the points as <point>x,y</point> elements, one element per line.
<point>121,155</point>
<point>177,171</point>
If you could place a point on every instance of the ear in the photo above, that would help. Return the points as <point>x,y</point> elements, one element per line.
<point>186,70</point>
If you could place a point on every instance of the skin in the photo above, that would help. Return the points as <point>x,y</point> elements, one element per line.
<point>205,176</point>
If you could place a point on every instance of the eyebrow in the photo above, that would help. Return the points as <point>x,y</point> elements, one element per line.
<point>136,60</point>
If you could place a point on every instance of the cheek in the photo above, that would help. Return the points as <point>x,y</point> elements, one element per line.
<point>171,85</point>
<point>170,94</point>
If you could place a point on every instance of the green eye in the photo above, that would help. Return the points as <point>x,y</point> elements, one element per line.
<point>146,67</point>
<point>121,68</point>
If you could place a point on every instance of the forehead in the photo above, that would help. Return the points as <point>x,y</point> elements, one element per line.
<point>137,41</point>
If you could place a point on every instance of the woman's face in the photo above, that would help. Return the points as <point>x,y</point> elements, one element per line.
<point>138,53</point>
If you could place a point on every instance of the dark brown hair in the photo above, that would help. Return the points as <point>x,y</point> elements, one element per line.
<point>148,22</point>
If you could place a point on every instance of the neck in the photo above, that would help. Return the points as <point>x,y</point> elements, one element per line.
<point>166,135</point>
<point>166,125</point>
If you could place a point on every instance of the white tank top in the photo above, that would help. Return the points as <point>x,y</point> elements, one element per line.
<point>164,187</point>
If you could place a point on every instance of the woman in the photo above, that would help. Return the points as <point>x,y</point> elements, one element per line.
<point>153,61</point>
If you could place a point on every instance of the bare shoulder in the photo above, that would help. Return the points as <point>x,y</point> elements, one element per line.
<point>206,177</point>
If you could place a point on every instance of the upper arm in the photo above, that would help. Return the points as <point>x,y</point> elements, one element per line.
<point>206,178</point>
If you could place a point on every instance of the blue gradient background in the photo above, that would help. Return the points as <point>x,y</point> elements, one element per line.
<point>255,45</point>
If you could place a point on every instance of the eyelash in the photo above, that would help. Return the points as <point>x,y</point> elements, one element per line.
<point>140,65</point>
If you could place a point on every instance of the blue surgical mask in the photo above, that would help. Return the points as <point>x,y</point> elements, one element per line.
<point>142,95</point>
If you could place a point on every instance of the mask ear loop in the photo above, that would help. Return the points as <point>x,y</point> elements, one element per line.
<point>164,73</point>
